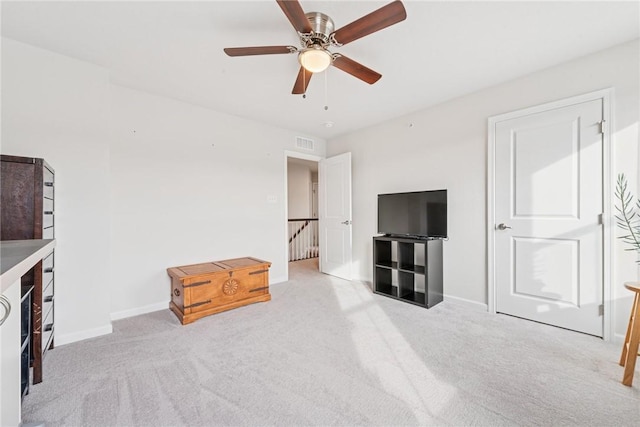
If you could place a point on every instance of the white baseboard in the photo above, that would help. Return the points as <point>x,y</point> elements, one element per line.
<point>367,281</point>
<point>139,310</point>
<point>83,335</point>
<point>466,303</point>
<point>274,280</point>
<point>618,338</point>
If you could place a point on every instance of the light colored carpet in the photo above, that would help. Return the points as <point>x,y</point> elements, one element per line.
<point>326,351</point>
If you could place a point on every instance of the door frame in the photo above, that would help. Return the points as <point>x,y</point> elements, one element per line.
<point>296,155</point>
<point>314,199</point>
<point>605,95</point>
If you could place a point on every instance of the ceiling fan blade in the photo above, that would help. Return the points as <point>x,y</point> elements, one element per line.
<point>302,81</point>
<point>259,50</point>
<point>375,21</point>
<point>296,16</point>
<point>356,69</point>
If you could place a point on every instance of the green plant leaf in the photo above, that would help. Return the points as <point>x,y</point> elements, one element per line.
<point>628,217</point>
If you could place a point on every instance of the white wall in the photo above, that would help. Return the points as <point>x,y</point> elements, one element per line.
<point>298,190</point>
<point>130,205</point>
<point>56,108</point>
<point>190,185</point>
<point>446,147</point>
<point>142,183</point>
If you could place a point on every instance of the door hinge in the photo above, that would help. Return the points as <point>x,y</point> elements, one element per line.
<point>600,219</point>
<point>601,310</point>
<point>602,126</point>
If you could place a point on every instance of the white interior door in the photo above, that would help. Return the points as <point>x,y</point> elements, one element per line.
<point>334,202</point>
<point>548,204</point>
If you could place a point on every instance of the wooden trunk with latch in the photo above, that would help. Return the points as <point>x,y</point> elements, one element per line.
<point>200,290</point>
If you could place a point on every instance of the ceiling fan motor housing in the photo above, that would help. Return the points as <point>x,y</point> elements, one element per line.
<point>322,26</point>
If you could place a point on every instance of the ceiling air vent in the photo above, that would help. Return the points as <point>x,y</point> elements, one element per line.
<point>304,143</point>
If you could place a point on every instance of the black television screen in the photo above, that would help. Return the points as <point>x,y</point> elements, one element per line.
<point>419,214</point>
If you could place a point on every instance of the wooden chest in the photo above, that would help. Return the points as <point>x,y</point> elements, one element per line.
<point>199,290</point>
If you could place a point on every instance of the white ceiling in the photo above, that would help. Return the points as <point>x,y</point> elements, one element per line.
<point>441,51</point>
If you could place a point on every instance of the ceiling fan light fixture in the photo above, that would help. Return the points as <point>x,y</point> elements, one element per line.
<point>315,59</point>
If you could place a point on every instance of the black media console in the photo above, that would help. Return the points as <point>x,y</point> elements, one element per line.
<point>407,269</point>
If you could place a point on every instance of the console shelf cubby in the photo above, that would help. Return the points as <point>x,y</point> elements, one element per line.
<point>409,270</point>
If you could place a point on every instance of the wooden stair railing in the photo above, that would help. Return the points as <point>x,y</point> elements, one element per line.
<point>303,238</point>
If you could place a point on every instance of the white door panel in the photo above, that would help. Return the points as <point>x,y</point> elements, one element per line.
<point>542,188</point>
<point>548,191</point>
<point>546,269</point>
<point>334,202</point>
<point>335,239</point>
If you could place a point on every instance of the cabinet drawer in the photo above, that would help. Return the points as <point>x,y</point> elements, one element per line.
<point>47,174</point>
<point>224,288</point>
<point>47,337</point>
<point>47,293</point>
<point>48,233</point>
<point>47,183</point>
<point>47,219</point>
<point>47,300</point>
<point>48,190</point>
<point>47,205</point>
<point>47,331</point>
<point>48,261</point>
<point>47,270</point>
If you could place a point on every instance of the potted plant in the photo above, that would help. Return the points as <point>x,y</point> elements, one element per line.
<point>628,217</point>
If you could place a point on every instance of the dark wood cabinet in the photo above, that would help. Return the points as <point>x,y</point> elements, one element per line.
<point>27,190</point>
<point>409,270</point>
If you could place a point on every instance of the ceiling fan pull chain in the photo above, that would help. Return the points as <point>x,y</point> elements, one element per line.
<point>326,90</point>
<point>304,82</point>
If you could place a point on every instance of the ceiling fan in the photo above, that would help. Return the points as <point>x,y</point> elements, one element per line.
<point>316,32</point>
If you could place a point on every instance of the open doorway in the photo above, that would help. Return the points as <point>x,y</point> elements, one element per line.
<point>333,212</point>
<point>303,244</point>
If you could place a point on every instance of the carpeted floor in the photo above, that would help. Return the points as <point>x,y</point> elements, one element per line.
<point>325,351</point>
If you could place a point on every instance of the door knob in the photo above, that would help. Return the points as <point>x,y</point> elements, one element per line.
<point>347,222</point>
<point>503,226</point>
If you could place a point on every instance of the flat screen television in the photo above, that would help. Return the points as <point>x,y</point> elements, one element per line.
<point>421,214</point>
